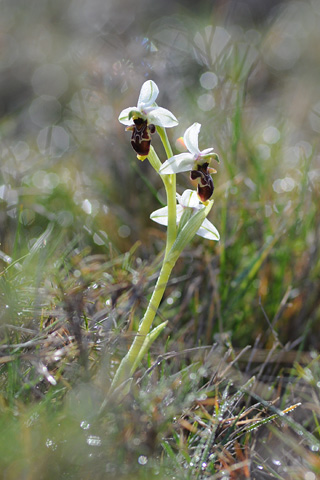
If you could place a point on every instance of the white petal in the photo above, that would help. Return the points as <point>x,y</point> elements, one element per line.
<point>161,117</point>
<point>160,216</point>
<point>124,116</point>
<point>206,151</point>
<point>189,198</point>
<point>190,138</point>
<point>179,212</point>
<point>178,163</point>
<point>208,231</point>
<point>148,94</point>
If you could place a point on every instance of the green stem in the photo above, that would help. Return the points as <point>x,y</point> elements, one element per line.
<point>172,212</point>
<point>128,363</point>
<point>170,186</point>
<point>171,190</point>
<point>155,162</point>
<point>165,141</point>
<point>152,309</point>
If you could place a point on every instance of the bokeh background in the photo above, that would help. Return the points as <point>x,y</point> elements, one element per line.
<point>247,71</point>
<point>75,233</point>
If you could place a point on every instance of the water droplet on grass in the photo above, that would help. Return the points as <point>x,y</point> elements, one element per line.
<point>143,460</point>
<point>85,425</point>
<point>94,441</point>
<point>51,444</point>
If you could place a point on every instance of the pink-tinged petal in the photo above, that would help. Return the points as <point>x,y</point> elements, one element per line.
<point>160,216</point>
<point>124,115</point>
<point>208,231</point>
<point>191,138</point>
<point>178,163</point>
<point>148,94</point>
<point>161,117</point>
<point>189,198</point>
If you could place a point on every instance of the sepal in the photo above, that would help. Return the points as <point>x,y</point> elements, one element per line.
<point>161,117</point>
<point>148,94</point>
<point>183,162</point>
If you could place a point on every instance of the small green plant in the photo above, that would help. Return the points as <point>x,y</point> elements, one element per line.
<point>184,220</point>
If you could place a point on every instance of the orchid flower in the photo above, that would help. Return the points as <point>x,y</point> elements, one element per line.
<point>143,118</point>
<point>188,200</point>
<point>195,160</point>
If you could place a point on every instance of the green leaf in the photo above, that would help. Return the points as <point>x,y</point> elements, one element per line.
<point>187,233</point>
<point>150,338</point>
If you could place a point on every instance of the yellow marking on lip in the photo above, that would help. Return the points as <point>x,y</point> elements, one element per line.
<point>142,157</point>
